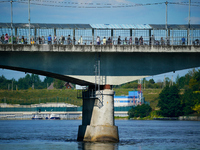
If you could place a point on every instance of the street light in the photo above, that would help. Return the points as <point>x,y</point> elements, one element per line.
<point>11,22</point>
<point>29,21</point>
<point>189,24</point>
<point>166,21</point>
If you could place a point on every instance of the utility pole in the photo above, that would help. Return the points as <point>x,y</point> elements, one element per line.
<point>188,36</point>
<point>11,22</point>
<point>166,21</point>
<point>29,22</point>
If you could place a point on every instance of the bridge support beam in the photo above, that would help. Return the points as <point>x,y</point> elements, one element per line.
<point>98,118</point>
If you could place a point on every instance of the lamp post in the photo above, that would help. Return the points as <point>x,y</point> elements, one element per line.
<point>188,36</point>
<point>166,21</point>
<point>29,22</point>
<point>11,22</point>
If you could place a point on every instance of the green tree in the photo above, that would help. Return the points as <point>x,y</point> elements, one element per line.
<point>181,82</point>
<point>151,81</point>
<point>197,108</point>
<point>169,102</point>
<point>131,113</point>
<point>3,83</point>
<point>58,84</point>
<point>189,100</point>
<point>140,111</point>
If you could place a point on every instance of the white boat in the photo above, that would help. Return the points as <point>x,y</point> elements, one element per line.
<point>37,117</point>
<point>53,117</point>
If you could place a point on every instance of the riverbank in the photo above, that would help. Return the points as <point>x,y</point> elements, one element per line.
<point>78,116</point>
<point>70,96</point>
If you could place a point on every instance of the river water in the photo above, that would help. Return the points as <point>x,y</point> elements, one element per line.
<point>134,134</point>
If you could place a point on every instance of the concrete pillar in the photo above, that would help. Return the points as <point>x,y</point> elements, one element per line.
<point>98,118</point>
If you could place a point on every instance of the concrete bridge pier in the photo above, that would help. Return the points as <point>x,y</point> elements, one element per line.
<point>98,118</point>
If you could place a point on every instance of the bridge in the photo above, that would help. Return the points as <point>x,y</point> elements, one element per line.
<point>101,66</point>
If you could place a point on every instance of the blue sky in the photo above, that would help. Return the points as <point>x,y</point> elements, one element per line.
<point>146,14</point>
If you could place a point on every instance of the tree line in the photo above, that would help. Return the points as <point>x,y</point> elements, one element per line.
<point>173,103</point>
<point>147,84</point>
<point>30,81</point>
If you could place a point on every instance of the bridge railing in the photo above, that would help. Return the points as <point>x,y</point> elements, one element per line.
<point>92,40</point>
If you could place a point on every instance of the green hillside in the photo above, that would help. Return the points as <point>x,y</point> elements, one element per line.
<point>62,95</point>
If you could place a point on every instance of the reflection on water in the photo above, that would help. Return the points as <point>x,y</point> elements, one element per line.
<point>134,134</point>
<point>97,146</point>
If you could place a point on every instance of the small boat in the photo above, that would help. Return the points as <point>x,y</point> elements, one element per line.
<point>53,117</point>
<point>37,117</point>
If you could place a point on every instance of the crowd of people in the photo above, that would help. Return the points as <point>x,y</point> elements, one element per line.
<point>6,39</point>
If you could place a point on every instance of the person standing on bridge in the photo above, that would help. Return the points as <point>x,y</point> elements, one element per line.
<point>119,41</point>
<point>55,39</point>
<point>152,40</point>
<point>162,41</point>
<point>183,41</point>
<point>2,39</point>
<point>98,40</point>
<point>125,41</point>
<point>109,42</point>
<point>74,40</point>
<point>68,40</point>
<point>63,40</point>
<point>130,41</point>
<point>49,39</point>
<point>136,41</point>
<point>104,41</point>
<point>6,38</point>
<point>80,41</point>
<point>141,40</point>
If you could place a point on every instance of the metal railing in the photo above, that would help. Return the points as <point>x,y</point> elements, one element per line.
<point>90,40</point>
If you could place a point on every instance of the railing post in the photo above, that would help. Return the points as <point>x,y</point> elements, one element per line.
<point>74,34</point>
<point>93,36</point>
<point>112,36</point>
<point>149,36</point>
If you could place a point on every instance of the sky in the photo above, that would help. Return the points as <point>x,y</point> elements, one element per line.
<point>139,12</point>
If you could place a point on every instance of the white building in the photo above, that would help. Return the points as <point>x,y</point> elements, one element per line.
<point>133,98</point>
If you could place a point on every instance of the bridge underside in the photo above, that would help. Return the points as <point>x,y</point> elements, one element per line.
<point>115,68</point>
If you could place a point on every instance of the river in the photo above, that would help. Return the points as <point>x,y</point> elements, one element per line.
<point>134,134</point>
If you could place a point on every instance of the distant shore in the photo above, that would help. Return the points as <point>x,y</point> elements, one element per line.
<point>180,118</point>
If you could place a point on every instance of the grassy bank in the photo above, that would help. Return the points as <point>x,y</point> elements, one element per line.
<point>39,96</point>
<point>68,96</point>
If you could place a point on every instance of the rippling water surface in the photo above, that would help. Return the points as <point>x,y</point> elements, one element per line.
<point>134,134</point>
